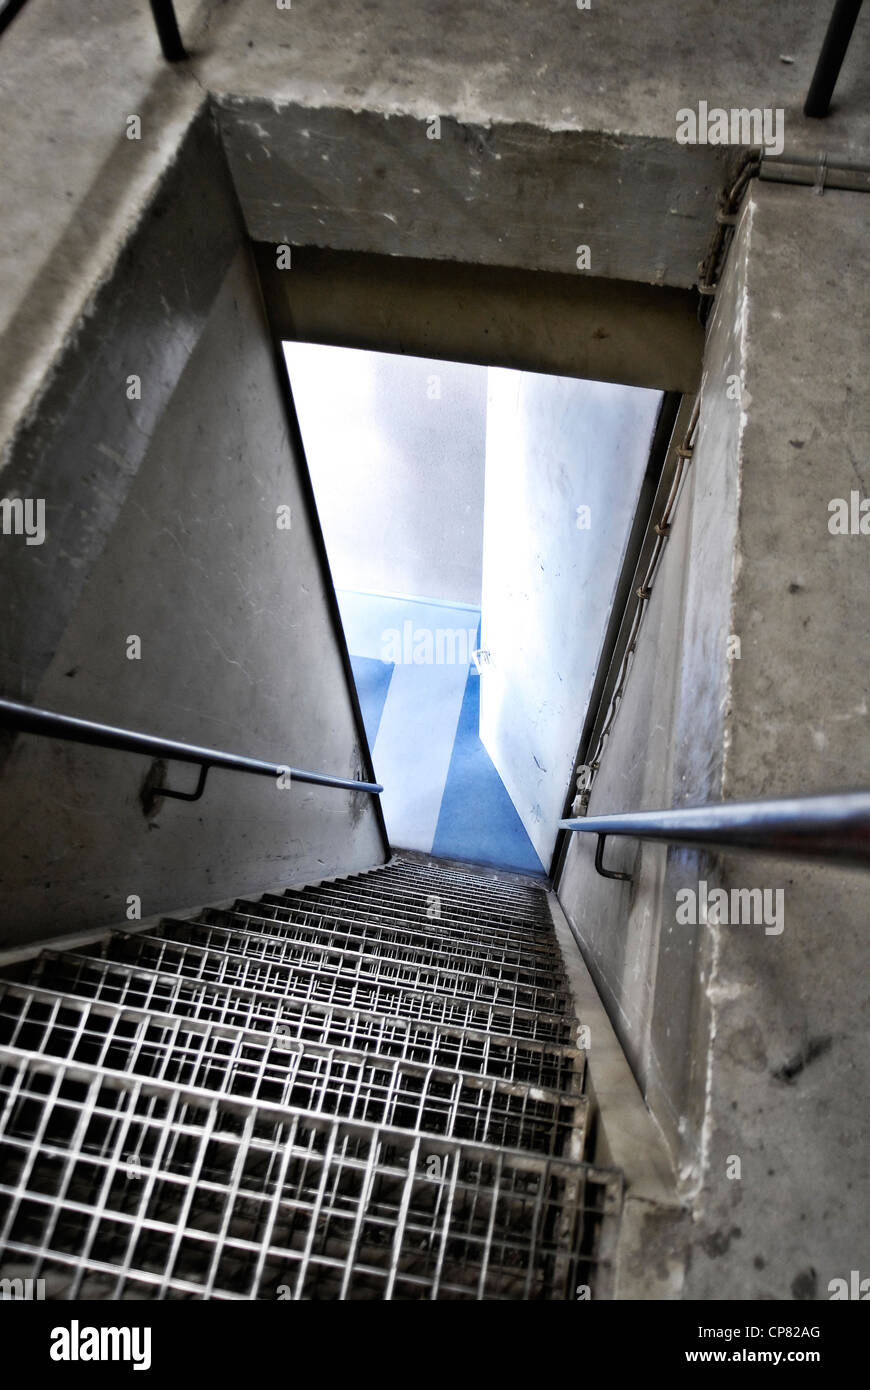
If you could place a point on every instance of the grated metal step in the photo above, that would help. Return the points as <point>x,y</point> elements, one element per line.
<point>325,1094</point>
<point>356,934</point>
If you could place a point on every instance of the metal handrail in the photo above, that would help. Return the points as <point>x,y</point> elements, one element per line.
<point>834,828</point>
<point>29,719</point>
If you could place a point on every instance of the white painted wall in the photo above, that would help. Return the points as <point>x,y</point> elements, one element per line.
<point>553,445</point>
<point>395,446</point>
<point>417,731</point>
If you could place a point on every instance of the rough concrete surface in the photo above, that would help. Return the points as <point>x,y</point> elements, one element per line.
<point>543,110</point>
<point>311,125</point>
<point>788,1087</point>
<point>748,1044</point>
<point>237,647</point>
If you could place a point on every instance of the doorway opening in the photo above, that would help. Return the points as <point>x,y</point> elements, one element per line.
<point>476,520</point>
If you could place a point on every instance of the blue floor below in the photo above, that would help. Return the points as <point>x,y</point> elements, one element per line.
<point>473,817</point>
<point>478,820</point>
<point>372,678</point>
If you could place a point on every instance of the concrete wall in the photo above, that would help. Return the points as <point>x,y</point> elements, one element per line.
<point>530,162</point>
<point>553,446</point>
<point>161,523</point>
<point>557,124</point>
<point>750,1045</point>
<point>788,1085</point>
<point>746,1045</point>
<point>74,185</point>
<point>396,449</point>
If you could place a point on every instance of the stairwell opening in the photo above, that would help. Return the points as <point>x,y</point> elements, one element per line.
<point>477,521</point>
<point>370,1086</point>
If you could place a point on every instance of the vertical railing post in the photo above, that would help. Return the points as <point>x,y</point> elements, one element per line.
<point>833,52</point>
<point>167,31</point>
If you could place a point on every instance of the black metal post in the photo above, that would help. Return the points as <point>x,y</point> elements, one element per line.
<point>8,11</point>
<point>167,31</point>
<point>833,52</point>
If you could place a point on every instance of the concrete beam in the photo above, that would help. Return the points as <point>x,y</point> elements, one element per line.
<point>567,325</point>
<point>557,125</point>
<point>507,195</point>
<point>624,69</point>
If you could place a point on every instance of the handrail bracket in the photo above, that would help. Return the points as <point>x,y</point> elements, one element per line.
<point>599,864</point>
<point>153,789</point>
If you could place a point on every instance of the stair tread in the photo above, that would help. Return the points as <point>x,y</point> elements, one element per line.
<point>326,1092</point>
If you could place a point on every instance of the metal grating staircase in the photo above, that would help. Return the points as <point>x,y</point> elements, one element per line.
<point>368,1089</point>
